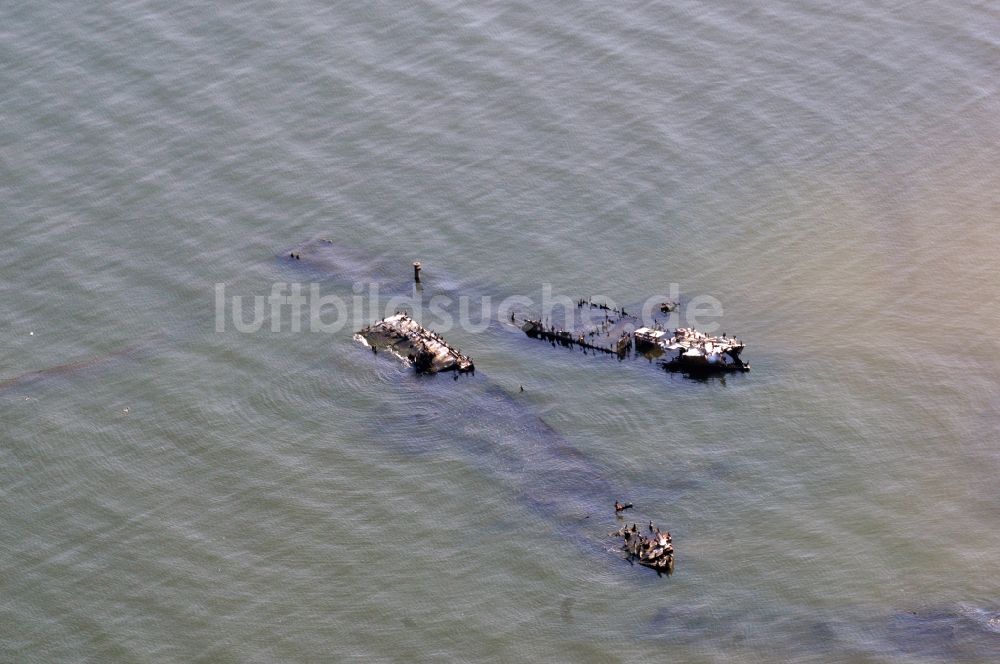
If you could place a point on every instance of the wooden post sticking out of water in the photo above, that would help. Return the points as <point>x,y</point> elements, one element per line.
<point>416,272</point>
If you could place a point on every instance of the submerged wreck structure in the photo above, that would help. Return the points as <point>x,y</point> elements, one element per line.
<point>407,339</point>
<point>654,550</point>
<point>605,329</point>
<point>695,351</point>
<point>596,327</point>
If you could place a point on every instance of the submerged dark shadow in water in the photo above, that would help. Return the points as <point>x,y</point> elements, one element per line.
<point>504,441</point>
<point>956,634</point>
<point>945,634</point>
<point>69,369</point>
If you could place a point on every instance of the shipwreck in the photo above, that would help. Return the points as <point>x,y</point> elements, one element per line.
<point>654,549</point>
<point>408,340</point>
<point>595,327</point>
<point>604,329</point>
<point>691,350</point>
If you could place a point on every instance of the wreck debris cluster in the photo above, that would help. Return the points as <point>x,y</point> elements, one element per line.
<point>695,350</point>
<point>617,332</point>
<point>654,550</point>
<point>406,338</point>
<point>538,330</point>
<point>607,331</point>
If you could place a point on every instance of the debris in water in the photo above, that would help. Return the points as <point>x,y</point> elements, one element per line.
<point>655,551</point>
<point>406,338</point>
<point>696,351</point>
<point>621,507</point>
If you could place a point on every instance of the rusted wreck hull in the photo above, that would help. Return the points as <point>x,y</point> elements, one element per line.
<point>654,550</point>
<point>612,330</point>
<point>538,330</point>
<point>698,352</point>
<point>407,339</point>
<point>589,326</point>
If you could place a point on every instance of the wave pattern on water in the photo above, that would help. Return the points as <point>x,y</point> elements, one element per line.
<point>826,170</point>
